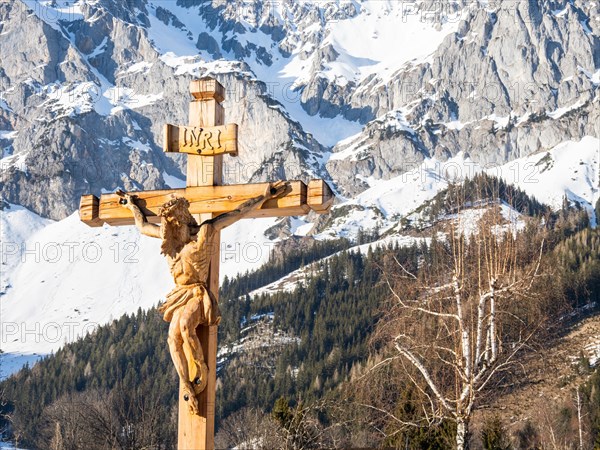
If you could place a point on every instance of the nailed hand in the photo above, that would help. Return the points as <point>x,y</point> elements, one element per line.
<point>276,189</point>
<point>126,200</point>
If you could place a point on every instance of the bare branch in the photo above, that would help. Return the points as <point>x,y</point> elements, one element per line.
<point>421,368</point>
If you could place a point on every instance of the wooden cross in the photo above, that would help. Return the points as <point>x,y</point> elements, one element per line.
<point>206,140</point>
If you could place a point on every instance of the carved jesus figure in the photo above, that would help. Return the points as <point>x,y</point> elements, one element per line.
<point>187,247</point>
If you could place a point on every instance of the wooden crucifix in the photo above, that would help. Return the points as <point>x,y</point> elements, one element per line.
<point>190,222</point>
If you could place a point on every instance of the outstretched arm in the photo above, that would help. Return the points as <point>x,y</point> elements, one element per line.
<point>141,222</point>
<point>273,190</point>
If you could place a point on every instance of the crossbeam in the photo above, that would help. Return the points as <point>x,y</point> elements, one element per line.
<point>298,200</point>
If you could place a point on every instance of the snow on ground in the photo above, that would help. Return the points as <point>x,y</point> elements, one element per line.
<point>588,343</point>
<point>357,147</point>
<point>593,351</point>
<point>172,181</point>
<point>17,224</point>
<point>55,11</point>
<point>3,104</point>
<point>9,446</point>
<point>571,168</point>
<point>379,49</point>
<point>391,34</point>
<point>467,220</point>
<point>9,135</point>
<point>402,194</point>
<point>68,99</point>
<point>258,334</point>
<point>178,41</point>
<point>71,278</point>
<point>300,227</point>
<point>351,223</point>
<point>178,49</point>
<point>17,161</point>
<point>71,99</point>
<point>397,197</point>
<point>244,246</point>
<point>62,279</point>
<point>558,113</point>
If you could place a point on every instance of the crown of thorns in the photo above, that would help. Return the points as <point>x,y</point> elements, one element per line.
<point>176,206</point>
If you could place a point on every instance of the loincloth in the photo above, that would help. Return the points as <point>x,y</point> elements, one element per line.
<point>183,294</point>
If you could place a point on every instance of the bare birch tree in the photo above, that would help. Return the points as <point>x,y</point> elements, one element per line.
<point>460,317</point>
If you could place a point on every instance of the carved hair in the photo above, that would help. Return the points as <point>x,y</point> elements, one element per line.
<point>176,224</point>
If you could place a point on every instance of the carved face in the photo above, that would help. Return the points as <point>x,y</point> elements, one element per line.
<point>176,221</point>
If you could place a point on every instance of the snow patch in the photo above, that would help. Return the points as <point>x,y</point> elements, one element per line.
<point>390,36</point>
<point>467,221</point>
<point>593,350</point>
<point>300,227</point>
<point>17,161</point>
<point>99,49</point>
<point>9,135</point>
<point>173,182</point>
<point>17,225</point>
<point>136,145</point>
<point>120,98</point>
<point>570,168</point>
<point>244,246</point>
<point>53,12</point>
<point>141,66</point>
<point>558,113</point>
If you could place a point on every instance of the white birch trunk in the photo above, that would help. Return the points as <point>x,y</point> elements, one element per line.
<point>493,323</point>
<point>461,434</point>
<point>479,338</point>
<point>579,420</point>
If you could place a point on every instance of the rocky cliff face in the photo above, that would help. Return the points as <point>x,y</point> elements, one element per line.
<point>84,98</point>
<point>515,78</point>
<point>85,87</point>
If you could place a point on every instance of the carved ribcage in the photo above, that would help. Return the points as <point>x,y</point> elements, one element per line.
<point>201,257</point>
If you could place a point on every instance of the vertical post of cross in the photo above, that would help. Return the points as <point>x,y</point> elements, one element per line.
<point>197,431</point>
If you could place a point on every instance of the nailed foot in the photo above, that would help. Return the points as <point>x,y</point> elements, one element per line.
<point>202,379</point>
<point>190,397</point>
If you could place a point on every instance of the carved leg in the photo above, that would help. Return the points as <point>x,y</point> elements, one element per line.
<point>176,348</point>
<point>188,322</point>
<point>212,314</point>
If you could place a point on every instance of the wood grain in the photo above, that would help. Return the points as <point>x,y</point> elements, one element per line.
<point>205,141</point>
<point>206,199</point>
<point>206,89</point>
<point>297,201</point>
<point>198,431</point>
<point>320,196</point>
<point>89,210</point>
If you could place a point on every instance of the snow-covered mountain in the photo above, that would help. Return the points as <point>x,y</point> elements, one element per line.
<point>390,101</point>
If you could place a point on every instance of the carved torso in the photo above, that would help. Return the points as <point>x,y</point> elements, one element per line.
<point>190,265</point>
